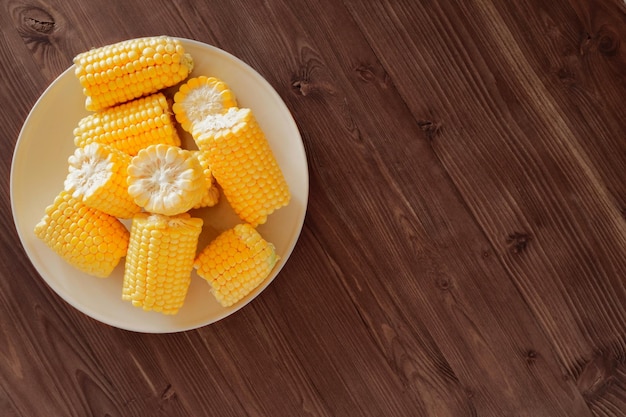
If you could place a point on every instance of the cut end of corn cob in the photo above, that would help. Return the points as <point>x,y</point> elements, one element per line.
<point>243,164</point>
<point>86,238</point>
<point>130,126</point>
<point>166,179</point>
<point>200,97</point>
<point>236,263</point>
<point>160,260</point>
<point>97,176</point>
<point>130,69</point>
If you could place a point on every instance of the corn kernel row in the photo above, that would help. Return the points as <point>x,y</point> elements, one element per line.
<point>117,73</point>
<point>243,164</point>
<point>130,126</point>
<point>235,263</point>
<point>159,262</point>
<point>90,240</point>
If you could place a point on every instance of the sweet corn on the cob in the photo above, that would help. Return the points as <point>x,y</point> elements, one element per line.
<point>130,126</point>
<point>160,261</point>
<point>243,164</point>
<point>130,69</point>
<point>166,179</point>
<point>212,193</point>
<point>97,176</point>
<point>90,240</point>
<point>235,263</point>
<point>200,97</point>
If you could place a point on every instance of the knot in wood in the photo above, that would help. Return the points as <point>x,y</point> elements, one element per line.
<point>429,127</point>
<point>518,241</point>
<point>597,375</point>
<point>443,284</point>
<point>566,76</point>
<point>301,87</point>
<point>608,42</point>
<point>36,20</point>
<point>531,356</point>
<point>168,393</point>
<point>366,73</point>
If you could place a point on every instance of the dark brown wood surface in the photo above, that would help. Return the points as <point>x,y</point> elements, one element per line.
<point>464,248</point>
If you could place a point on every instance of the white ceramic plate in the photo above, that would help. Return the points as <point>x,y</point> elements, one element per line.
<point>40,166</point>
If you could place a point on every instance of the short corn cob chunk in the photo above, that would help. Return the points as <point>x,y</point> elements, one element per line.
<point>200,97</point>
<point>160,261</point>
<point>166,179</point>
<point>212,194</point>
<point>86,238</point>
<point>97,176</point>
<point>130,126</point>
<point>235,263</point>
<point>243,164</point>
<point>130,69</point>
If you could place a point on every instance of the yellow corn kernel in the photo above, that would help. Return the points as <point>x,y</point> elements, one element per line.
<point>86,238</point>
<point>126,70</point>
<point>235,263</point>
<point>166,179</point>
<point>212,194</point>
<point>97,176</point>
<point>130,126</point>
<point>199,97</point>
<point>243,164</point>
<point>160,260</point>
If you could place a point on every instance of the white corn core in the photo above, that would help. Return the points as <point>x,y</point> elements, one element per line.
<point>89,169</point>
<point>201,102</point>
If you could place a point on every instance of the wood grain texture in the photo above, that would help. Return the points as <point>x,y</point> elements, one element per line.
<point>532,181</point>
<point>465,239</point>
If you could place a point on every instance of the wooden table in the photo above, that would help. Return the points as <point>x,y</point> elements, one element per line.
<point>464,248</point>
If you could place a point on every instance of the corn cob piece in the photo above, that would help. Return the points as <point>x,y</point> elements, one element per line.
<point>235,263</point>
<point>243,164</point>
<point>212,193</point>
<point>160,261</point>
<point>97,176</point>
<point>130,126</point>
<point>166,179</point>
<point>86,238</point>
<point>200,97</point>
<point>126,70</point>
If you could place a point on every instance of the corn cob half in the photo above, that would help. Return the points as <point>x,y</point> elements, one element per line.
<point>235,263</point>
<point>97,176</point>
<point>86,238</point>
<point>126,70</point>
<point>160,261</point>
<point>130,126</point>
<point>200,97</point>
<point>243,164</point>
<point>166,179</point>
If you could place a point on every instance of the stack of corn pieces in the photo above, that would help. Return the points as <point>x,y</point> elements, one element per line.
<point>128,163</point>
